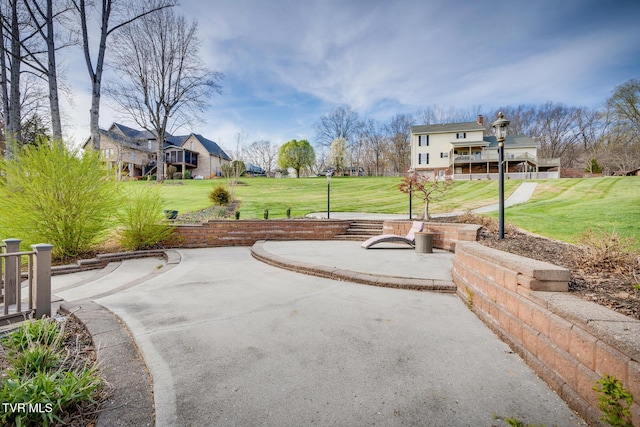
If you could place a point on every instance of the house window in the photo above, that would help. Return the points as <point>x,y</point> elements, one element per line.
<point>423,158</point>
<point>192,145</point>
<point>444,155</point>
<point>461,135</point>
<point>149,144</point>
<point>423,140</point>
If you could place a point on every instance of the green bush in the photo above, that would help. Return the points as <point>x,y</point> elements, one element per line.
<point>177,175</point>
<point>220,196</point>
<point>266,213</point>
<point>237,214</point>
<point>141,220</point>
<point>614,401</point>
<point>187,174</point>
<point>56,195</point>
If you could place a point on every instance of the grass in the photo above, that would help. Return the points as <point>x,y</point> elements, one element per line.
<point>565,208</point>
<point>560,208</point>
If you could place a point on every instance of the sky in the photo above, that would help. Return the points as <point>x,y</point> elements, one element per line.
<point>286,63</point>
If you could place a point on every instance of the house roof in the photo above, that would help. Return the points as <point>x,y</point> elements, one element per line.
<point>213,148</point>
<point>133,133</point>
<point>448,127</point>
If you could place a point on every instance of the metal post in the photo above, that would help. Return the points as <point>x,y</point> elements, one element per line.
<point>328,195</point>
<point>410,197</point>
<point>42,284</point>
<point>501,190</point>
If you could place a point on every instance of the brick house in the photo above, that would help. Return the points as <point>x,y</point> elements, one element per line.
<point>131,152</point>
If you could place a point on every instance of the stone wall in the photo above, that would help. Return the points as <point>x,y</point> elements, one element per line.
<point>571,343</point>
<point>247,232</point>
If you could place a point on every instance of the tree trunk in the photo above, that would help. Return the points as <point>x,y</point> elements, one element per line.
<point>54,105</point>
<point>14,123</point>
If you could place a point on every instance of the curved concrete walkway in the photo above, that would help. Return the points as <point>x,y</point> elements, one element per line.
<point>230,341</point>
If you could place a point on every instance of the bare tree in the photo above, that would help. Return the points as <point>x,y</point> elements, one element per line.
<point>164,81</point>
<point>42,19</point>
<point>342,122</point>
<point>399,131</point>
<point>423,188</point>
<point>11,60</point>
<point>625,103</point>
<point>377,144</point>
<point>105,12</point>
<point>264,154</point>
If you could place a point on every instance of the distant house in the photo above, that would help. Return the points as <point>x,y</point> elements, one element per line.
<point>461,151</point>
<point>133,153</point>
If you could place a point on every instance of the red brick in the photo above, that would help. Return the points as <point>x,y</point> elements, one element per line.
<point>582,346</point>
<point>541,320</point>
<point>633,379</point>
<point>560,331</point>
<point>566,367</point>
<point>585,380</point>
<point>530,339</point>
<point>610,361</point>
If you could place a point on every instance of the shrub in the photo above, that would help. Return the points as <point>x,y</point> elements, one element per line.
<point>266,213</point>
<point>141,220</point>
<point>604,251</point>
<point>237,214</point>
<point>288,213</point>
<point>56,195</point>
<point>220,196</point>
<point>171,170</point>
<point>187,174</point>
<point>614,401</point>
<point>177,175</point>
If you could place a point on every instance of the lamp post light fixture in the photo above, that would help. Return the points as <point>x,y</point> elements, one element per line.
<point>328,194</point>
<point>500,126</point>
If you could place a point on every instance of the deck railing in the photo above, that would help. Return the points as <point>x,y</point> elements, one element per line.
<point>36,280</point>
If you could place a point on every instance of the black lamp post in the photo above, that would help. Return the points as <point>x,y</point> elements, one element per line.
<point>410,172</point>
<point>500,126</point>
<point>328,194</point>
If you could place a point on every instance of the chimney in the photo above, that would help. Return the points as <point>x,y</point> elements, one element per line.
<point>480,120</point>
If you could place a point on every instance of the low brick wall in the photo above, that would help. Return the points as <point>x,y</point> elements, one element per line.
<point>446,235</point>
<point>571,343</point>
<point>247,232</point>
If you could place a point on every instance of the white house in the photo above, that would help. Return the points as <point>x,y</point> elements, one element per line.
<point>461,151</point>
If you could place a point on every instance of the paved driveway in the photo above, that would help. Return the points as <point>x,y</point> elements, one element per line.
<point>232,341</point>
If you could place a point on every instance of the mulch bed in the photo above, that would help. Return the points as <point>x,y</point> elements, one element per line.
<point>607,285</point>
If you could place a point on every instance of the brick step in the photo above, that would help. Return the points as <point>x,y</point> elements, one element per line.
<point>361,230</point>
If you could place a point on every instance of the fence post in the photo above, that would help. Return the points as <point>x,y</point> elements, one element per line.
<point>11,281</point>
<point>42,282</point>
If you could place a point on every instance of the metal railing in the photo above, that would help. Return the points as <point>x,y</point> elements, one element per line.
<point>36,279</point>
<point>510,175</point>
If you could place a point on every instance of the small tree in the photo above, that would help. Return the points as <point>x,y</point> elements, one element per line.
<point>428,191</point>
<point>297,155</point>
<point>141,220</point>
<point>56,195</point>
<point>220,196</point>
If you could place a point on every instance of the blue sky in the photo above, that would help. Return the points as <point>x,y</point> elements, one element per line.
<point>288,62</point>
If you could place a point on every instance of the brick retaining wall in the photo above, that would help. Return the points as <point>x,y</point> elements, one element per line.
<point>247,232</point>
<point>571,343</point>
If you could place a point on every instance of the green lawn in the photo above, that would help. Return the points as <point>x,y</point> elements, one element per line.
<point>560,208</point>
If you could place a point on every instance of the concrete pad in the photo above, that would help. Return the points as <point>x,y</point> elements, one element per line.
<point>388,260</point>
<point>233,341</point>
